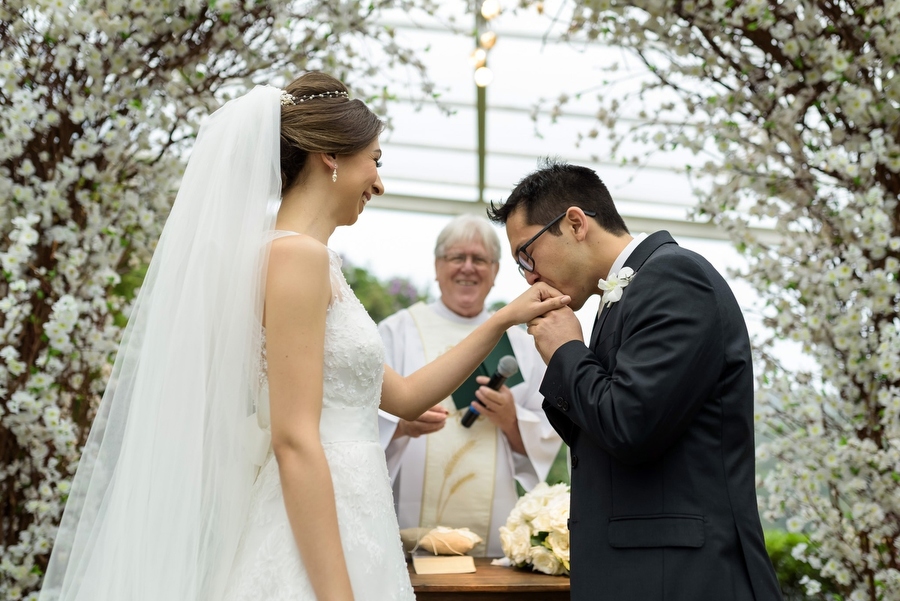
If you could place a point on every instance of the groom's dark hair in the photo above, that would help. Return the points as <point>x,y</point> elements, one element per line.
<point>555,187</point>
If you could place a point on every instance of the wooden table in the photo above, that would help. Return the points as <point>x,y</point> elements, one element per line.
<point>490,583</point>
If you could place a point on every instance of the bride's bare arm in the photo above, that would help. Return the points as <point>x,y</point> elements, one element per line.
<point>411,396</point>
<point>298,290</point>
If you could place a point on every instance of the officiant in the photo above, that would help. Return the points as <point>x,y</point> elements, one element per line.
<point>444,473</point>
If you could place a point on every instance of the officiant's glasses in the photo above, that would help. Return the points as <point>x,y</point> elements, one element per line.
<point>458,260</point>
<point>526,261</point>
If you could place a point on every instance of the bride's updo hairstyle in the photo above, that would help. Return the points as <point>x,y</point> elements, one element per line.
<point>322,119</point>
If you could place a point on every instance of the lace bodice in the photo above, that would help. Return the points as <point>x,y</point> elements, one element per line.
<point>354,352</point>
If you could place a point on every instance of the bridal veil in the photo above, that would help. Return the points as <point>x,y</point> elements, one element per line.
<point>159,499</point>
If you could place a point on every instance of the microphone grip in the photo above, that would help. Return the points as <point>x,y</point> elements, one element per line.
<point>496,381</point>
<point>471,414</point>
<point>469,418</point>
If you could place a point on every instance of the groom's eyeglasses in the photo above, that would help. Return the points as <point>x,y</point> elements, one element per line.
<point>525,260</point>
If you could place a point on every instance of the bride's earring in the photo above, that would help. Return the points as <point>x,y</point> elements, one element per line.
<point>334,174</point>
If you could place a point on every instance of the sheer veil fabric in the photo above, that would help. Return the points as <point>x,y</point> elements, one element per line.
<point>162,489</point>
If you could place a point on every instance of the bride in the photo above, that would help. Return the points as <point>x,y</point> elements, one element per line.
<point>235,452</point>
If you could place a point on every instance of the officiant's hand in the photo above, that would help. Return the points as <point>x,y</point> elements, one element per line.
<point>499,406</point>
<point>554,329</point>
<point>430,421</point>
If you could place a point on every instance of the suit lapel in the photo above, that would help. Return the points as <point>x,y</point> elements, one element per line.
<point>635,260</point>
<point>598,323</point>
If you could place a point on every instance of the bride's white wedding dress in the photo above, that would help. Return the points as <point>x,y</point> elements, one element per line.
<point>267,564</point>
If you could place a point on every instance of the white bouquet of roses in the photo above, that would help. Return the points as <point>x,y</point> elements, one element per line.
<point>536,533</point>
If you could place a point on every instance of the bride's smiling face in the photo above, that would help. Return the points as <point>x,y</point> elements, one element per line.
<point>358,180</point>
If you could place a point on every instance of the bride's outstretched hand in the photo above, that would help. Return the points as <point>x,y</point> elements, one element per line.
<point>537,300</point>
<point>550,321</point>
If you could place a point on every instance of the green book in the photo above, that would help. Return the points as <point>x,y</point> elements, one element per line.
<point>465,394</point>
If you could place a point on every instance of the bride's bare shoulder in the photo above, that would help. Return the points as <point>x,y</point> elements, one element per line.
<point>298,247</point>
<point>299,258</point>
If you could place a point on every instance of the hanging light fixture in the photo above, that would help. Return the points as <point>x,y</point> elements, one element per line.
<point>478,57</point>
<point>490,9</point>
<point>483,77</point>
<point>484,41</point>
<point>487,39</point>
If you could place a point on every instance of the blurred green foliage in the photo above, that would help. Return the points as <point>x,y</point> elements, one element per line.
<point>381,298</point>
<point>127,288</point>
<point>559,471</point>
<point>790,571</point>
<point>497,305</point>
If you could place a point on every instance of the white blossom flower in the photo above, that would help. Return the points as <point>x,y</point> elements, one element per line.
<point>813,587</point>
<point>795,524</point>
<point>614,286</point>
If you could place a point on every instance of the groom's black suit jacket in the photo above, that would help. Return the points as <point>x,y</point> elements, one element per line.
<point>658,412</point>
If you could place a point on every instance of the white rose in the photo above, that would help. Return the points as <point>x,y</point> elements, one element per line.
<point>560,515</point>
<point>515,518</point>
<point>554,516</point>
<point>530,507</point>
<point>541,491</point>
<point>559,489</point>
<point>545,561</point>
<point>516,543</point>
<point>542,521</point>
<point>559,544</point>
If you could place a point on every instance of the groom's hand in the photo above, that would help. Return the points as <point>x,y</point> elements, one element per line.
<point>553,329</point>
<point>536,300</point>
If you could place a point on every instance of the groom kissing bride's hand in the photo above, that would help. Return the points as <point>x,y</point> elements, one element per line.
<point>554,328</point>
<point>657,409</point>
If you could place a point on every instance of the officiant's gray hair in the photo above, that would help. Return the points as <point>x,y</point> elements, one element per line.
<point>468,228</point>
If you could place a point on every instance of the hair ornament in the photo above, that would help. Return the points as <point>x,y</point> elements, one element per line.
<point>287,99</point>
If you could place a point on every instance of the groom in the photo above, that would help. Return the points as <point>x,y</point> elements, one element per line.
<point>658,407</point>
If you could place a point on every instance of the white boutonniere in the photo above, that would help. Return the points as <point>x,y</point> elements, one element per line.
<point>615,285</point>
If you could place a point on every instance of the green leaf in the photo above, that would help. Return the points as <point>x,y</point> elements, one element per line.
<point>538,539</point>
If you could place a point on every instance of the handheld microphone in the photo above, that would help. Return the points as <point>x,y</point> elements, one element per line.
<point>505,368</point>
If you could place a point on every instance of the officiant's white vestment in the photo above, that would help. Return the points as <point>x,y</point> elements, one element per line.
<point>409,337</point>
